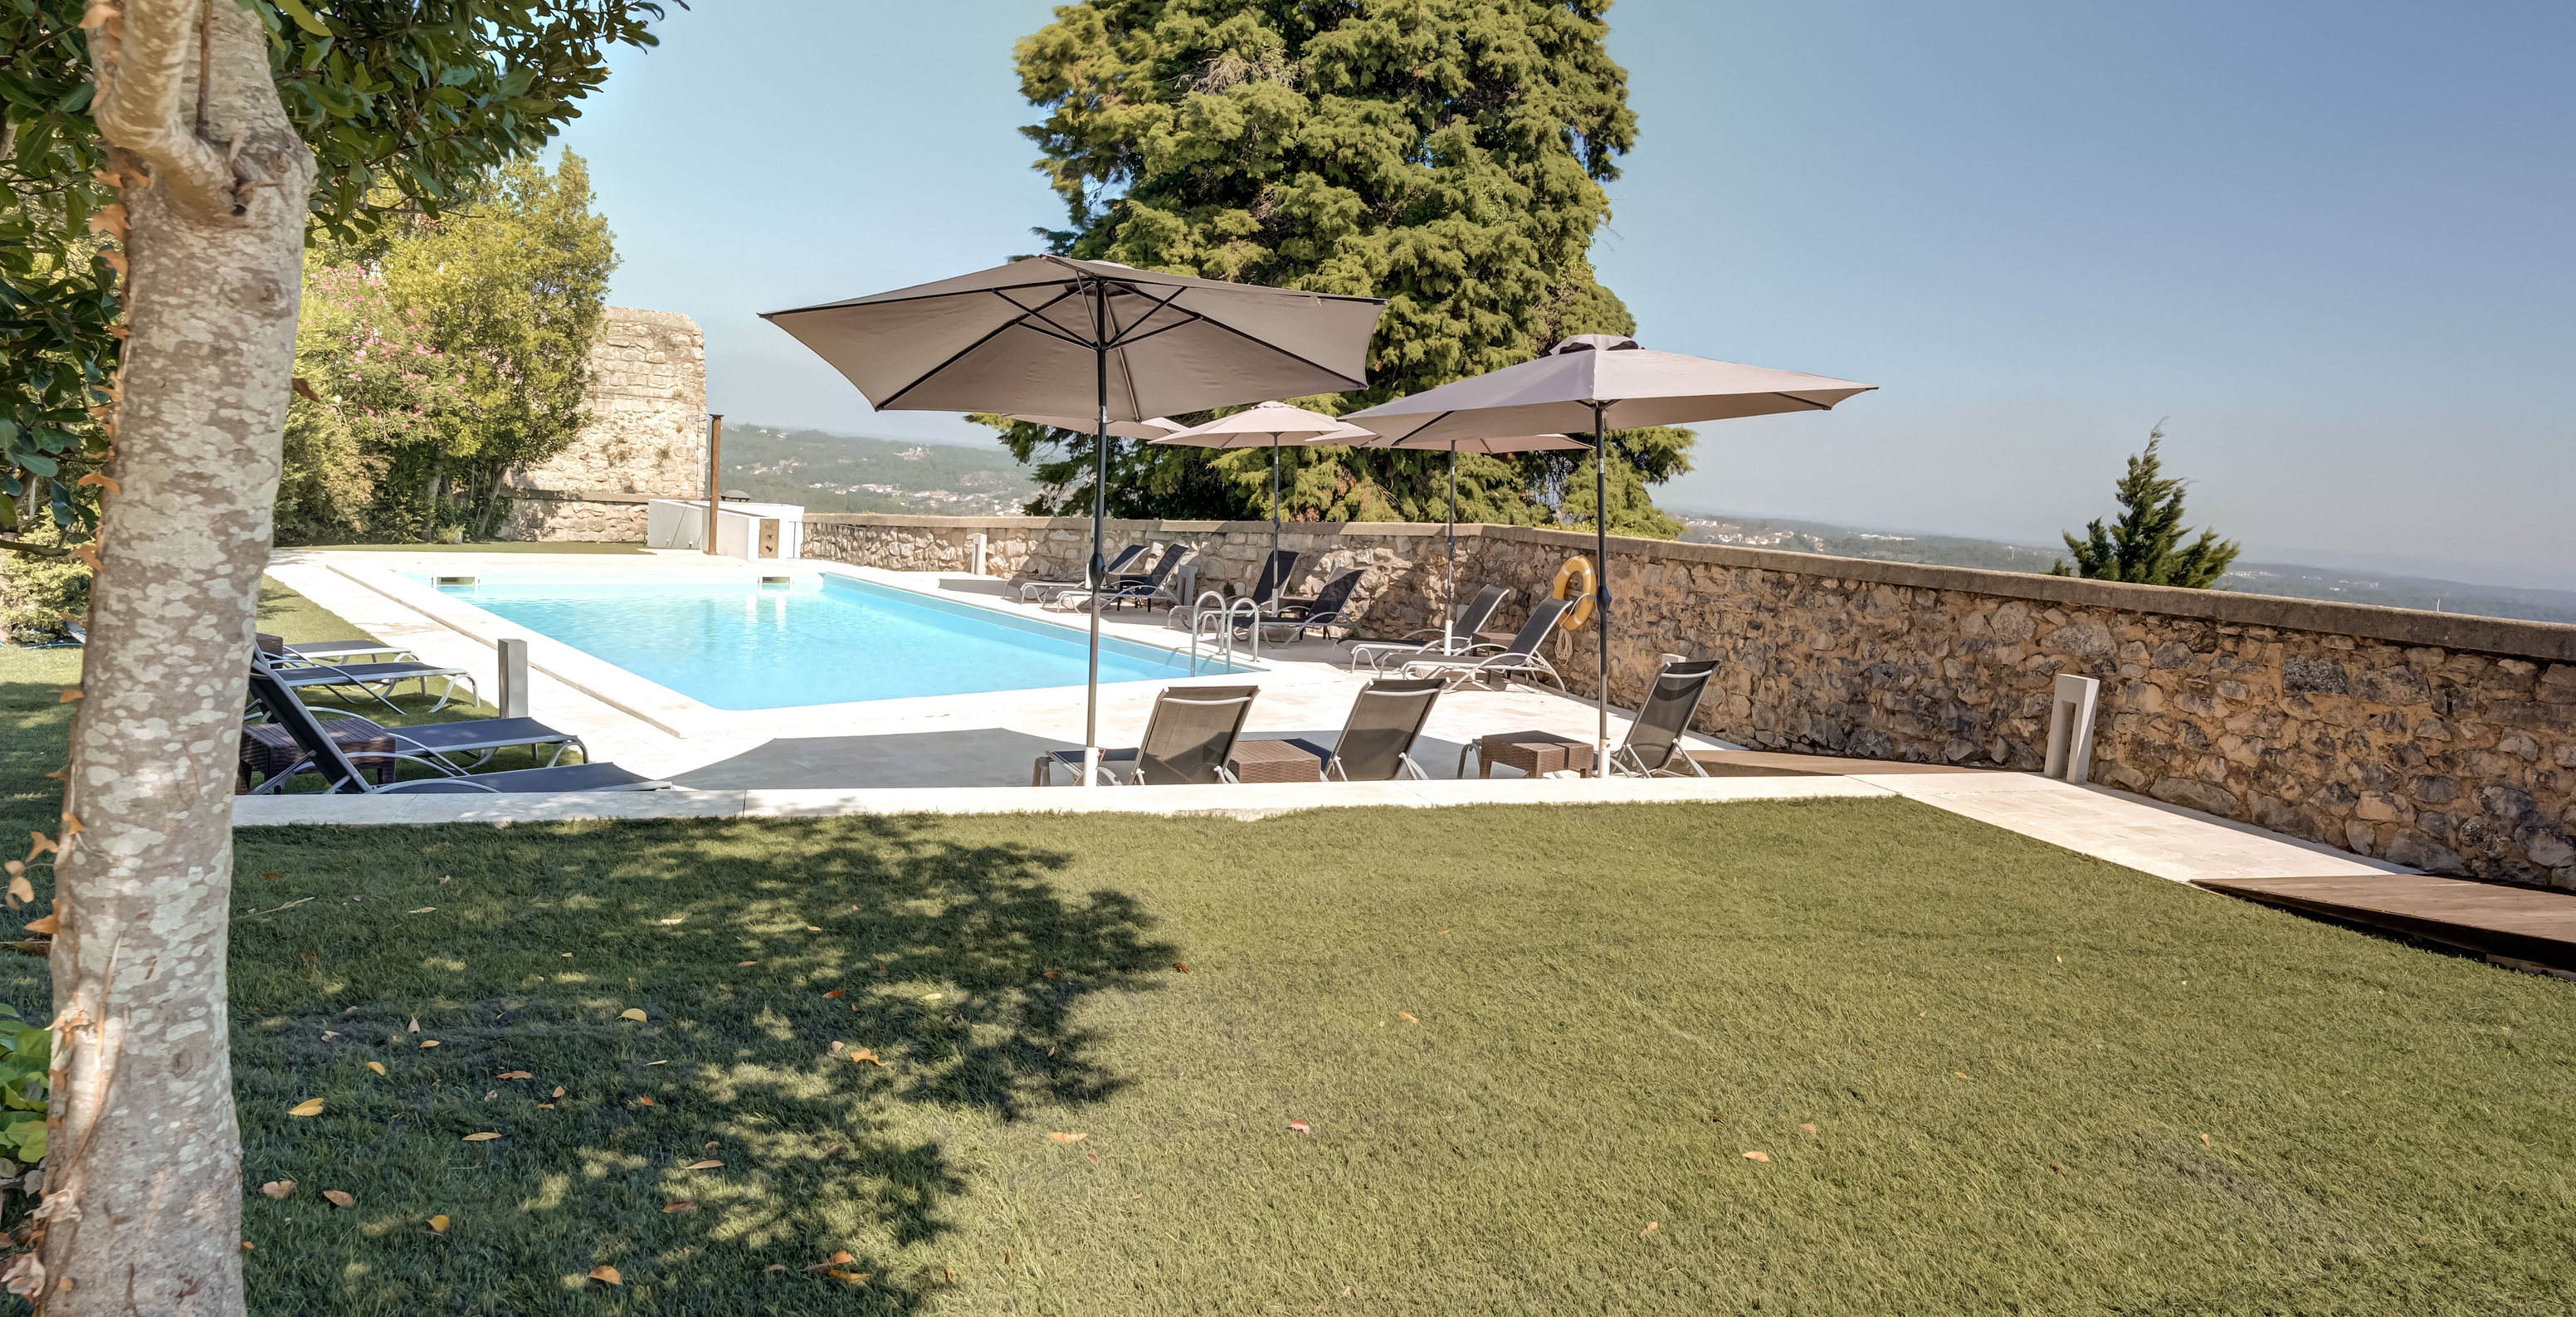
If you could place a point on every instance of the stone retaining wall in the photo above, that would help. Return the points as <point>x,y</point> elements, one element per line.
<point>2443,742</point>
<point>646,438</point>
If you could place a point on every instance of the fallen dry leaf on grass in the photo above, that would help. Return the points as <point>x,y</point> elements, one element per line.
<point>1757,1156</point>
<point>484,1137</point>
<point>775,1266</point>
<point>428,1043</point>
<point>707,1165</point>
<point>424,910</point>
<point>415,1025</point>
<point>439,1224</point>
<point>1651,1227</point>
<point>1301,1127</point>
<point>2204,1140</point>
<point>278,1188</point>
<point>1808,1128</point>
<point>1053,974</point>
<point>868,1055</point>
<point>1960,1073</point>
<point>644,1102</point>
<point>1181,967</point>
<point>516,1074</point>
<point>307,1107</point>
<point>1061,1137</point>
<point>741,963</point>
<point>606,1275</point>
<point>630,1013</point>
<point>1410,1016</point>
<point>836,992</point>
<point>558,1091</point>
<point>657,1063</point>
<point>377,1066</point>
<point>681,1205</point>
<point>854,1277</point>
<point>339,1199</point>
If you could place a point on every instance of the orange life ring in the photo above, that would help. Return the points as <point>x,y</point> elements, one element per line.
<point>1577,566</point>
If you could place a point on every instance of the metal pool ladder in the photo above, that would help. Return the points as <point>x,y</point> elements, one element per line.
<point>1223,615</point>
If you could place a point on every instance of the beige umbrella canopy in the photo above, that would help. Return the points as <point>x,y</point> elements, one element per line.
<point>1519,443</point>
<point>1051,336</point>
<point>1268,425</point>
<point>1152,427</point>
<point>1602,382</point>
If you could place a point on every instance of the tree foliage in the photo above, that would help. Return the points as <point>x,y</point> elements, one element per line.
<point>2145,545</point>
<point>405,104</point>
<point>1447,155</point>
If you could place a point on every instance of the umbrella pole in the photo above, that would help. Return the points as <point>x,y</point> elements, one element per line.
<point>1274,515</point>
<point>1099,522</point>
<point>1449,613</point>
<point>1601,550</point>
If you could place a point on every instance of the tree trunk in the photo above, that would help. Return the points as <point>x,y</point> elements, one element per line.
<point>142,1209</point>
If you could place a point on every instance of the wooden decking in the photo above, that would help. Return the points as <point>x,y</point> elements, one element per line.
<point>2512,923</point>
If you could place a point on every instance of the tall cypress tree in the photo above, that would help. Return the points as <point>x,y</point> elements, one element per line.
<point>1447,155</point>
<point>2145,545</point>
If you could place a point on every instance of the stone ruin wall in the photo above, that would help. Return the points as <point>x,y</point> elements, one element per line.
<point>2437,741</point>
<point>647,436</point>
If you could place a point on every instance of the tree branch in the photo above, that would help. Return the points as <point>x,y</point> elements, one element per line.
<point>139,106</point>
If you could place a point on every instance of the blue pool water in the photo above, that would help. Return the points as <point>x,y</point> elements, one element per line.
<point>742,645</point>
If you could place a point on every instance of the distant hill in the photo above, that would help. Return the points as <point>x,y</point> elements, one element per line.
<point>2293,580</point>
<point>836,473</point>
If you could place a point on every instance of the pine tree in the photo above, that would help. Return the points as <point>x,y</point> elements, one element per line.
<point>2141,546</point>
<point>1447,155</point>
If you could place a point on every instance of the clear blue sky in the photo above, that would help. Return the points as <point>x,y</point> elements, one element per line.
<point>2331,242</point>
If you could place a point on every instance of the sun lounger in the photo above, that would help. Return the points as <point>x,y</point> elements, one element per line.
<point>1376,744</point>
<point>1654,744</point>
<point>302,674</point>
<point>1188,738</point>
<point>1487,662</point>
<point>277,648</point>
<point>1474,616</point>
<point>1030,590</point>
<point>1145,591</point>
<point>1299,616</point>
<point>278,701</point>
<point>479,737</point>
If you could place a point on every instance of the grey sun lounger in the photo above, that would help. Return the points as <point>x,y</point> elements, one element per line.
<point>1654,744</point>
<point>1152,588</point>
<point>1030,590</point>
<point>1188,738</point>
<point>1299,616</point>
<point>1487,661</point>
<point>278,701</point>
<point>302,674</point>
<point>277,648</point>
<point>1473,616</point>
<point>480,737</point>
<point>1376,744</point>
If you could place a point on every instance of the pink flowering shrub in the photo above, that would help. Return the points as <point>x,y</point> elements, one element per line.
<point>377,391</point>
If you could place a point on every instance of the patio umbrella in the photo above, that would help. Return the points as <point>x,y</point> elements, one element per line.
<point>1602,382</point>
<point>1051,336</point>
<point>1152,427</point>
<point>1267,425</point>
<point>1523,443</point>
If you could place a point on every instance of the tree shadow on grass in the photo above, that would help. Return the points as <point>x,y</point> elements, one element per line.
<point>957,963</point>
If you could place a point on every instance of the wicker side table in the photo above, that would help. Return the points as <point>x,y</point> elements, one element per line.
<point>1274,761</point>
<point>268,749</point>
<point>1534,753</point>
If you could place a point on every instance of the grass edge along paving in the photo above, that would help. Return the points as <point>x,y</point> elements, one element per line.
<point>1517,1039</point>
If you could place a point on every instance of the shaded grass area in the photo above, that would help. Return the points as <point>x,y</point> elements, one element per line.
<point>2037,1082</point>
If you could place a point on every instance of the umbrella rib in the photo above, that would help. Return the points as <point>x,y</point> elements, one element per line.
<point>1120,339</point>
<point>1361,383</point>
<point>1819,406</point>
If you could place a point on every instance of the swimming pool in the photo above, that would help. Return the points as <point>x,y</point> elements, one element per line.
<point>737,644</point>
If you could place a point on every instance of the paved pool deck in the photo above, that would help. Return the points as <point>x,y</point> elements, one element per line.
<point>973,753</point>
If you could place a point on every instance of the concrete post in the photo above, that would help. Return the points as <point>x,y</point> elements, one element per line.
<point>513,686</point>
<point>2070,729</point>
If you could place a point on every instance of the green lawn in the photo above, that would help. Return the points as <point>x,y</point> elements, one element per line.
<point>1519,1037</point>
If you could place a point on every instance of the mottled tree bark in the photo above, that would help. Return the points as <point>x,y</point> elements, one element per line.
<point>142,1209</point>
